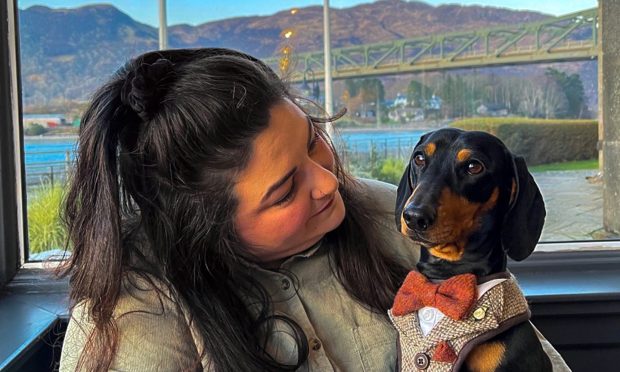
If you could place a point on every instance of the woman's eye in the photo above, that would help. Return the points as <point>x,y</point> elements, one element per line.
<point>289,195</point>
<point>419,160</point>
<point>474,167</point>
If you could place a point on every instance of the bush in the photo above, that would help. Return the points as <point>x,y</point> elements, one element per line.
<point>541,141</point>
<point>35,130</point>
<point>45,229</point>
<point>389,170</point>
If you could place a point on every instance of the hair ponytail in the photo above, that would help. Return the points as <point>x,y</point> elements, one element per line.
<point>92,217</point>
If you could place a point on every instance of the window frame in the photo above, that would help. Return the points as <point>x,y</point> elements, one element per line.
<point>12,193</point>
<point>551,259</point>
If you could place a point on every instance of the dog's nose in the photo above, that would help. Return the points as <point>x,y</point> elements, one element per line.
<point>418,218</point>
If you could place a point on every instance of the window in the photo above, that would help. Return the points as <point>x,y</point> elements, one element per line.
<point>67,48</point>
<point>399,68</point>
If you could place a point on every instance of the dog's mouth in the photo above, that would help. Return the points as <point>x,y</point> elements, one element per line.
<point>447,249</point>
<point>417,238</point>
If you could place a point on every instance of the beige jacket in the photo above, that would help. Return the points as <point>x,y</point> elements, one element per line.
<point>343,336</point>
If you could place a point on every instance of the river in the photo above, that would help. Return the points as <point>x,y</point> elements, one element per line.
<point>48,157</point>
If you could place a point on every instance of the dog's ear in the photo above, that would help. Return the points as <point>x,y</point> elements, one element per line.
<point>402,194</point>
<point>524,220</point>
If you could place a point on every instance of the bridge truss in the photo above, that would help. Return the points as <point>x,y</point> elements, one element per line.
<point>564,38</point>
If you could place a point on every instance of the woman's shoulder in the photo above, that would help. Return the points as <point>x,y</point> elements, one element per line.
<point>154,328</point>
<point>139,292</point>
<point>382,196</point>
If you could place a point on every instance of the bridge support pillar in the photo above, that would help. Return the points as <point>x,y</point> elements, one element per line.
<point>609,110</point>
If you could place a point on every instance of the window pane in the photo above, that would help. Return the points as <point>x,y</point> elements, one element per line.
<point>399,68</point>
<point>66,53</point>
<point>482,68</point>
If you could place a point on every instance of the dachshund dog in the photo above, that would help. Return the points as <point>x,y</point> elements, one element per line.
<point>469,203</point>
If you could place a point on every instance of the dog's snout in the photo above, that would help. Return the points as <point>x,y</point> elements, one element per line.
<point>418,218</point>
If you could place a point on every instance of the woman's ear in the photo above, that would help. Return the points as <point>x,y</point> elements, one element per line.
<point>526,213</point>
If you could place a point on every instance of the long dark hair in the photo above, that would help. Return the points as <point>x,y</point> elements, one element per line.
<point>159,148</point>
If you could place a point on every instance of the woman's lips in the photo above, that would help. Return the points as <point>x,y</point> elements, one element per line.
<point>326,206</point>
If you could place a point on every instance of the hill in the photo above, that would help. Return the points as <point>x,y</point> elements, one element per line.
<point>67,53</point>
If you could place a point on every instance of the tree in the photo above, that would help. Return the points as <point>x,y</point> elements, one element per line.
<point>555,104</point>
<point>572,88</point>
<point>418,94</point>
<point>456,96</point>
<point>370,89</point>
<point>35,130</point>
<point>542,98</point>
<point>352,86</point>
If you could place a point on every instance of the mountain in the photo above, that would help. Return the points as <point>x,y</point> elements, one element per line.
<point>67,53</point>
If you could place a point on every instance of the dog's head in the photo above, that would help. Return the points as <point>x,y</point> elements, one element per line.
<point>464,196</point>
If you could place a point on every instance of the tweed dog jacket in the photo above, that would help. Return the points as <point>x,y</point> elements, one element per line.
<point>439,341</point>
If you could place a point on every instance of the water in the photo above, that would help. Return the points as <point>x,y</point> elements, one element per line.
<point>48,151</point>
<point>46,159</point>
<point>383,140</point>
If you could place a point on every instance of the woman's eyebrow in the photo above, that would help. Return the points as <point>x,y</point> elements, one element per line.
<point>288,175</point>
<point>278,184</point>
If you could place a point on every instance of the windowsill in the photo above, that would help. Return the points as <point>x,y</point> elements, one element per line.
<point>34,302</point>
<point>31,305</point>
<point>552,277</point>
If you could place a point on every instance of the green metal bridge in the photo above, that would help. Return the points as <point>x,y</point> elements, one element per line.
<point>565,38</point>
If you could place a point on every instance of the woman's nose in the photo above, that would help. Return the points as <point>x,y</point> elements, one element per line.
<point>324,182</point>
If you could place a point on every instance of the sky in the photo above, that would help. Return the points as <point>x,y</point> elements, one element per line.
<point>200,11</point>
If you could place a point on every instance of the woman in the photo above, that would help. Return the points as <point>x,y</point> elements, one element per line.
<point>213,227</point>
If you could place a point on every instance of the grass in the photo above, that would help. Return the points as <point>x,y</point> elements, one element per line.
<point>566,166</point>
<point>45,229</point>
<point>389,170</point>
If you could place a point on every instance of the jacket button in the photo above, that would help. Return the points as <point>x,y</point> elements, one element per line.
<point>286,284</point>
<point>428,315</point>
<point>421,361</point>
<point>480,313</point>
<point>315,344</point>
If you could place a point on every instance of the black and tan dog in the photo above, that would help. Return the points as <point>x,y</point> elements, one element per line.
<point>470,203</point>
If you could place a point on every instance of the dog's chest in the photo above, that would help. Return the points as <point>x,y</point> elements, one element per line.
<point>430,340</point>
<point>429,317</point>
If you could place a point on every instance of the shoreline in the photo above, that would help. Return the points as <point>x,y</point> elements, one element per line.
<point>52,137</point>
<point>385,128</point>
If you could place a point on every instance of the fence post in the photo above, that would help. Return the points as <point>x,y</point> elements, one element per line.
<point>52,175</point>
<point>385,149</point>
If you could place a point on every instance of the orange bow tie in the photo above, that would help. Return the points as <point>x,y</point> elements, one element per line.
<point>453,297</point>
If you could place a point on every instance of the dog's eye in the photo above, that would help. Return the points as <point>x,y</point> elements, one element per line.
<point>419,160</point>
<point>475,167</point>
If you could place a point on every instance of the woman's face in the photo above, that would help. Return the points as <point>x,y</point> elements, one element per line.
<point>288,196</point>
